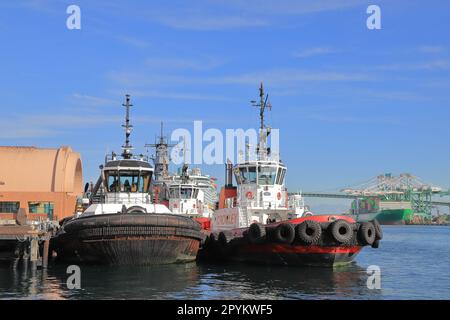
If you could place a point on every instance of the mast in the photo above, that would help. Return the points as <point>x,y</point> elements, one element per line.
<point>264,131</point>
<point>161,159</point>
<point>126,154</point>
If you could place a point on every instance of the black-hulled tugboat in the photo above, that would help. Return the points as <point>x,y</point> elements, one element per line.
<point>122,225</point>
<point>256,223</point>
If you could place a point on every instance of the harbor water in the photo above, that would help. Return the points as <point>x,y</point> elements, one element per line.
<point>414,263</point>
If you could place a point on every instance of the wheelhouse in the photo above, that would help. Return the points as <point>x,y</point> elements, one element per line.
<point>260,173</point>
<point>183,192</point>
<point>129,176</point>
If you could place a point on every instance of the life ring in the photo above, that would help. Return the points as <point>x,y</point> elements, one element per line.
<point>256,232</point>
<point>366,233</point>
<point>279,195</point>
<point>284,233</point>
<point>341,231</point>
<point>378,230</point>
<point>249,195</point>
<point>308,232</point>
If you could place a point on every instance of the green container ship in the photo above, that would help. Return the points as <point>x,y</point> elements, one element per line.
<point>386,212</point>
<point>403,199</point>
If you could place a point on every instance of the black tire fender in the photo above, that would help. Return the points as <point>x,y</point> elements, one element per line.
<point>378,229</point>
<point>256,232</point>
<point>366,233</point>
<point>308,232</point>
<point>341,231</point>
<point>284,233</point>
<point>223,239</point>
<point>376,244</point>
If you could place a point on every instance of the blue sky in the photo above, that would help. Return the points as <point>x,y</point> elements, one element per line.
<point>351,103</point>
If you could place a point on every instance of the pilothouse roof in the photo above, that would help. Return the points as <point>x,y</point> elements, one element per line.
<point>128,163</point>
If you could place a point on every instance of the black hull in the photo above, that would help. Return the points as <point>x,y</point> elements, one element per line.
<point>128,239</point>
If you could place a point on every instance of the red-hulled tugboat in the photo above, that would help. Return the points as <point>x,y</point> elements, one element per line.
<point>254,222</point>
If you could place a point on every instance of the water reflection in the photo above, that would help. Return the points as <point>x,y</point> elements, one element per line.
<point>190,281</point>
<point>127,282</point>
<point>258,282</point>
<point>401,248</point>
<point>22,282</point>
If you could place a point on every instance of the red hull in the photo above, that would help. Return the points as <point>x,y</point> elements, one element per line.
<point>291,255</point>
<point>327,253</point>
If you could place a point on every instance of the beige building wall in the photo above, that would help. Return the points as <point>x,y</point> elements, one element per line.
<point>35,174</point>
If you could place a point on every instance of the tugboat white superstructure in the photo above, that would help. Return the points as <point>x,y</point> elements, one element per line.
<point>122,225</point>
<point>189,192</point>
<point>257,222</point>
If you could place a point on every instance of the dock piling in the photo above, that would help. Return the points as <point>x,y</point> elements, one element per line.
<point>45,253</point>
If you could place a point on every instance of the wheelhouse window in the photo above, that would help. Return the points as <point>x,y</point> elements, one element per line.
<point>112,181</point>
<point>248,175</point>
<point>186,193</point>
<point>174,193</point>
<point>267,175</point>
<point>9,206</point>
<point>127,181</point>
<point>238,175</point>
<point>144,181</point>
<point>195,193</point>
<point>280,176</point>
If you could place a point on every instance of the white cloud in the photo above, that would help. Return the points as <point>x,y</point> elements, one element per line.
<point>46,125</point>
<point>15,132</point>
<point>206,23</point>
<point>165,64</point>
<point>428,66</point>
<point>87,100</point>
<point>174,95</point>
<point>272,77</point>
<point>431,49</point>
<point>206,15</point>
<point>353,119</point>
<point>306,53</point>
<point>133,41</point>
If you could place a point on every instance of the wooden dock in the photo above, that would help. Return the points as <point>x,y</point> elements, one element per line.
<point>25,244</point>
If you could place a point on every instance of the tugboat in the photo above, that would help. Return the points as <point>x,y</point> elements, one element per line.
<point>255,222</point>
<point>193,194</point>
<point>189,192</point>
<point>122,225</point>
<point>297,207</point>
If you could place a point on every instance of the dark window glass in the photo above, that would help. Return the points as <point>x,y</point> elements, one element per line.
<point>9,207</point>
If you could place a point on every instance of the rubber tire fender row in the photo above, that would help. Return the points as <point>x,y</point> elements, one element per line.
<point>378,229</point>
<point>341,231</point>
<point>366,233</point>
<point>256,232</point>
<point>308,232</point>
<point>210,241</point>
<point>223,239</point>
<point>284,233</point>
